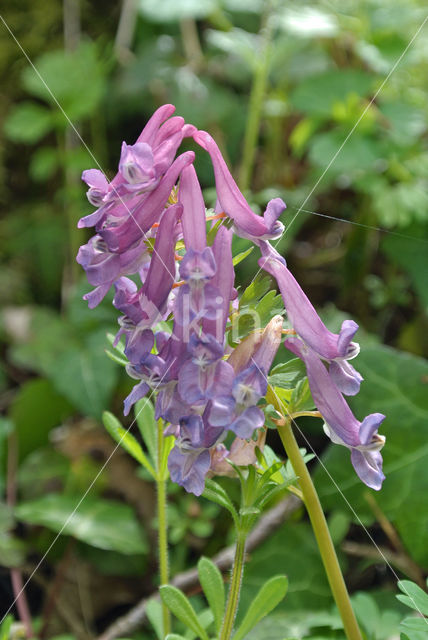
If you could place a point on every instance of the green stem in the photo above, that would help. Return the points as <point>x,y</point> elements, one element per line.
<point>258,91</point>
<point>162,527</point>
<point>235,587</point>
<point>322,533</point>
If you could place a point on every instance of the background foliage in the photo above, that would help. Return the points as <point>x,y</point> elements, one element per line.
<point>357,242</point>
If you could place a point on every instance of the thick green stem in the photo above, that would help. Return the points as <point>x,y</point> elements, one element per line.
<point>235,587</point>
<point>162,528</point>
<point>257,95</point>
<point>322,533</point>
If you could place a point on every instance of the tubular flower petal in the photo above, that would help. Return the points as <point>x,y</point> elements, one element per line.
<point>232,202</point>
<point>341,424</point>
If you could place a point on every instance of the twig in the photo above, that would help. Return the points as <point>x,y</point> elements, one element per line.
<point>224,559</point>
<point>399,560</point>
<point>15,574</point>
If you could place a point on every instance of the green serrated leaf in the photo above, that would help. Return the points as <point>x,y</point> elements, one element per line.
<point>180,606</point>
<point>414,597</point>
<point>269,596</point>
<point>241,256</point>
<point>212,584</point>
<point>126,440</point>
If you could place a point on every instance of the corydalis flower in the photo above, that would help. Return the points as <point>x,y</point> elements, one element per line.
<point>232,202</point>
<point>335,348</point>
<point>341,424</point>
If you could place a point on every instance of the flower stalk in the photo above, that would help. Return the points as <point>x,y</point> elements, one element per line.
<point>321,531</point>
<point>162,526</point>
<point>235,587</point>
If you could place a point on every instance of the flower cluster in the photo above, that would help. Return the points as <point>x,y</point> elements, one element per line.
<point>151,224</point>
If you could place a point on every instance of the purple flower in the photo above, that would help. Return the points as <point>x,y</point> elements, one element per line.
<point>232,202</point>
<point>193,218</point>
<point>103,268</point>
<point>335,348</point>
<point>341,424</point>
<point>98,186</point>
<point>237,411</point>
<point>205,375</point>
<point>145,308</point>
<point>190,459</point>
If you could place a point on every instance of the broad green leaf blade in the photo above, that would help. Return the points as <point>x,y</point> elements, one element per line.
<point>414,597</point>
<point>415,624</point>
<point>288,374</point>
<point>145,417</point>
<point>104,524</point>
<point>271,594</point>
<point>126,440</point>
<point>212,584</point>
<point>180,606</point>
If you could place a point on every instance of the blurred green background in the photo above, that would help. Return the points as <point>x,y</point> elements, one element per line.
<point>281,86</point>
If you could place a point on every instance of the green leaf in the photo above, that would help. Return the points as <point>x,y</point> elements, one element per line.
<point>5,627</point>
<point>101,523</point>
<point>145,417</point>
<point>28,123</point>
<point>317,95</point>
<point>288,374</point>
<point>36,408</point>
<point>180,606</point>
<point>126,440</point>
<point>43,163</point>
<point>301,398</point>
<point>216,493</point>
<point>269,596</point>
<point>256,290</point>
<point>414,597</point>
<point>241,256</point>
<point>414,624</point>
<point>154,614</point>
<point>174,636</point>
<point>212,584</point>
<point>76,79</point>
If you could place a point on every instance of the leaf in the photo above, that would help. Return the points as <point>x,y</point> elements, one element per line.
<point>174,636</point>
<point>301,398</point>
<point>241,256</point>
<point>76,79</point>
<point>212,584</point>
<point>414,597</point>
<point>287,375</point>
<point>154,614</point>
<point>43,163</point>
<point>145,417</point>
<point>256,290</point>
<point>216,493</point>
<point>36,408</point>
<point>101,523</point>
<point>269,596</point>
<point>180,606</point>
<point>127,441</point>
<point>317,94</point>
<point>5,627</point>
<point>28,122</point>
<point>415,624</point>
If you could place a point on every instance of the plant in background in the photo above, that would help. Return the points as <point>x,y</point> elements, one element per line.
<point>210,399</point>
